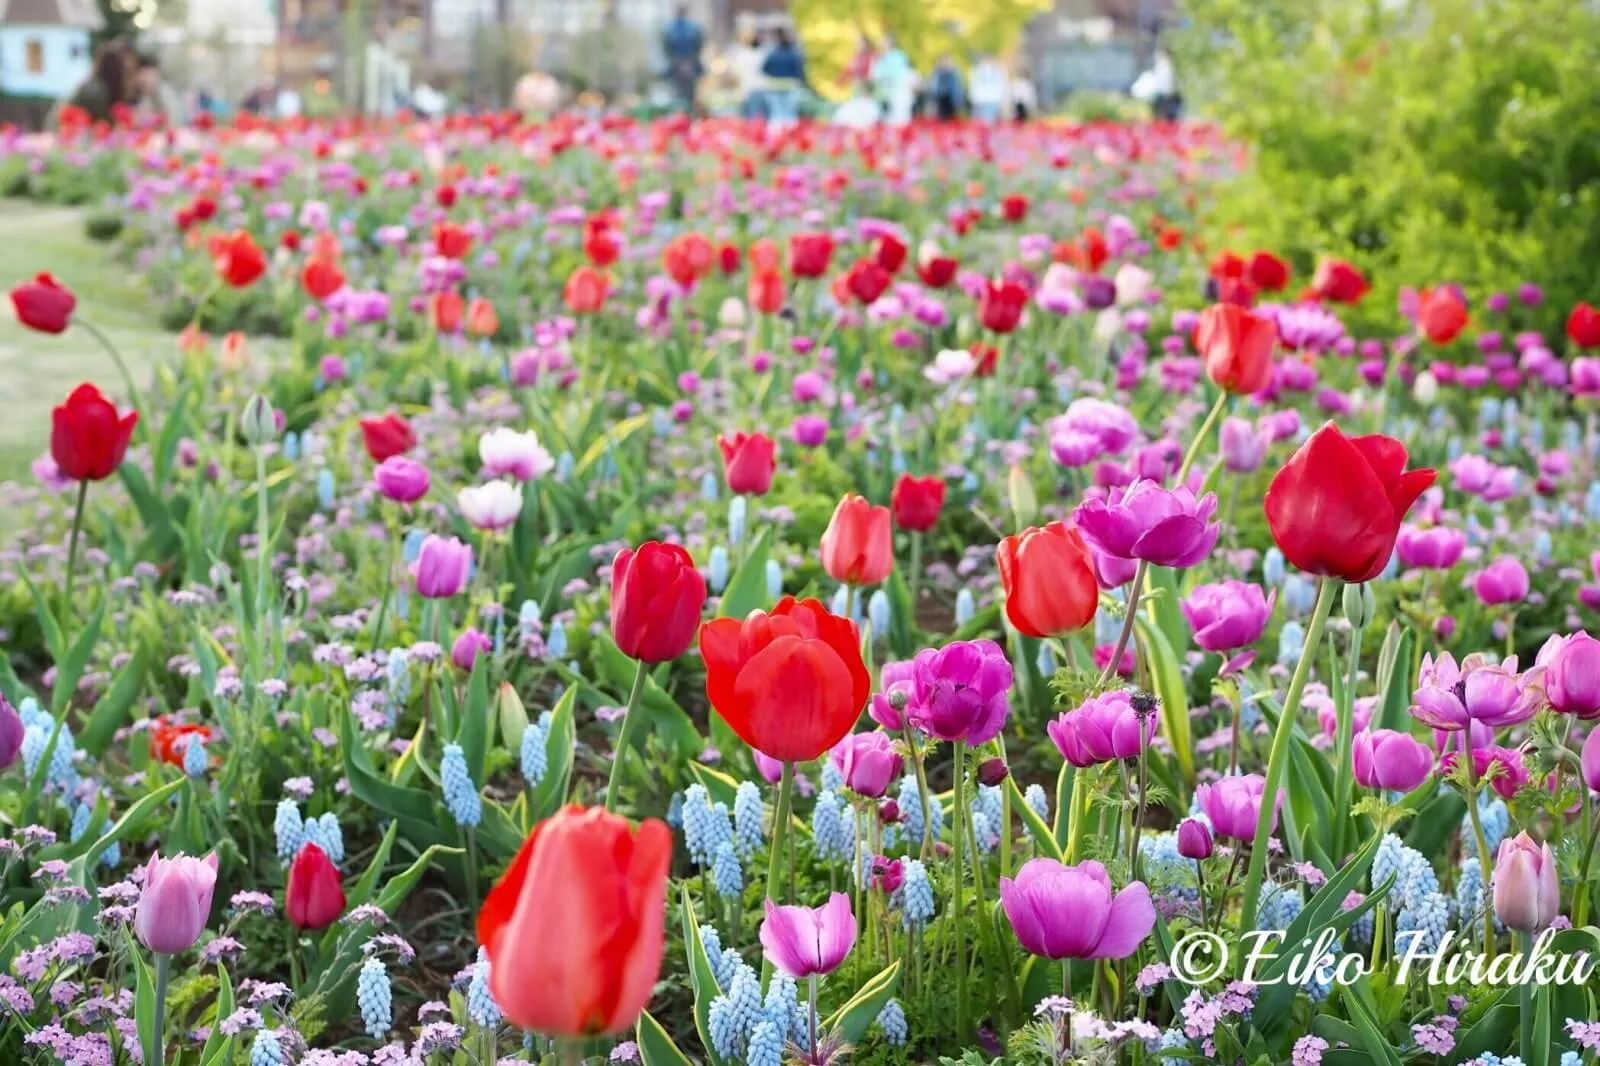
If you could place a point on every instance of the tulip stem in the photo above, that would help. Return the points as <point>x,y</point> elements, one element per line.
<point>922,792</point>
<point>1200,437</point>
<point>388,591</point>
<point>958,856</point>
<point>780,831</point>
<point>159,1031</point>
<point>811,1016</point>
<point>1342,782</point>
<point>1076,816</point>
<point>630,723</point>
<point>122,367</point>
<point>915,580</point>
<point>263,548</point>
<point>1129,615</point>
<point>1278,755</point>
<point>1525,1045</point>
<point>1580,907</point>
<point>1485,870</point>
<point>72,544</point>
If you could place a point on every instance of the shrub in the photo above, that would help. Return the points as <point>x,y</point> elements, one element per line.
<point>1429,141</point>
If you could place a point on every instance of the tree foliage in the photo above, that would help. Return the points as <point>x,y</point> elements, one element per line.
<point>831,30</point>
<point>1427,140</point>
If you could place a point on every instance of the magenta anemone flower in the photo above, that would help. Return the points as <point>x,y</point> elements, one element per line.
<point>1166,527</point>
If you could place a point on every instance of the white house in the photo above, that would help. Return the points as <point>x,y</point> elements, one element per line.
<point>44,45</point>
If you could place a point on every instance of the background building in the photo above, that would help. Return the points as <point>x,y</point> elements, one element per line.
<point>44,46</point>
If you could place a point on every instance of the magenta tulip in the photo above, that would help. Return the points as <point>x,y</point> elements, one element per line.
<point>1227,615</point>
<point>1233,804</point>
<point>401,480</point>
<point>1194,839</point>
<point>442,567</point>
<point>1069,912</point>
<point>1572,674</point>
<point>1386,759</point>
<point>1591,760</point>
<point>808,941</point>
<point>1102,729</point>
<point>1438,548</point>
<point>1502,581</point>
<point>868,762</point>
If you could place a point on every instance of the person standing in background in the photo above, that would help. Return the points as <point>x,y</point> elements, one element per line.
<point>750,83</point>
<point>894,81</point>
<point>156,97</point>
<point>785,72</point>
<point>949,92</point>
<point>108,85</point>
<point>683,41</point>
<point>1024,101</point>
<point>857,76</point>
<point>990,87</point>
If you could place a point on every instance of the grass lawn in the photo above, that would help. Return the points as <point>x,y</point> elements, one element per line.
<point>37,371</point>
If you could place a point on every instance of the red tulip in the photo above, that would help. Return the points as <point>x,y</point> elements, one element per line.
<point>1339,282</point>
<point>1583,325</point>
<point>44,304</point>
<point>748,462</point>
<point>586,290</point>
<point>1000,306</point>
<point>314,898</point>
<point>321,278</point>
<point>1014,208</point>
<point>451,241</point>
<point>856,547</point>
<point>237,259</point>
<point>791,683</point>
<point>602,246</point>
<point>1088,252</point>
<point>1236,346</point>
<point>290,241</point>
<point>810,254</point>
<point>445,196</point>
<point>445,310</point>
<point>656,598</point>
<point>687,258</point>
<point>866,281</point>
<point>575,927</point>
<point>728,258</point>
<point>1441,314</point>
<point>764,255</point>
<point>88,439</point>
<point>169,741</point>
<point>917,501</point>
<point>766,291</point>
<point>1048,577</point>
<point>482,320</point>
<point>937,271</point>
<point>1268,272</point>
<point>890,253</point>
<point>386,436</point>
<point>1227,265</point>
<point>1336,506</point>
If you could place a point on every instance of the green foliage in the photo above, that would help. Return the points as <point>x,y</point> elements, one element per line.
<point>1430,141</point>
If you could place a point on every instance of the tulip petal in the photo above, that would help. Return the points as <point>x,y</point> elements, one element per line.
<point>1132,917</point>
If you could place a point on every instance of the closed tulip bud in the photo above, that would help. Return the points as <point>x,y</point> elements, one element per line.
<point>1194,839</point>
<point>258,424</point>
<point>656,599</point>
<point>1425,390</point>
<point>574,929</point>
<point>174,902</point>
<point>1527,894</point>
<point>1019,490</point>
<point>1359,605</point>
<point>513,715</point>
<point>314,898</point>
<point>889,812</point>
<point>1386,759</point>
<point>857,547</point>
<point>993,771</point>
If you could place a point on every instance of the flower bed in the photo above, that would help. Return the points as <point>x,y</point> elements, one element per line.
<point>699,592</point>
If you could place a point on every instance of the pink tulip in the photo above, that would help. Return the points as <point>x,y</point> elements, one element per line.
<point>175,902</point>
<point>1527,894</point>
<point>809,941</point>
<point>1069,912</point>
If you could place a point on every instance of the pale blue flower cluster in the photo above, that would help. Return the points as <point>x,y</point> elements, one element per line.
<point>481,1007</point>
<point>734,1015</point>
<point>266,1051</point>
<point>195,759</point>
<point>288,829</point>
<point>833,830</point>
<point>38,727</point>
<point>910,803</point>
<point>749,819</point>
<point>326,834</point>
<point>892,1020</point>
<point>986,817</point>
<point>1037,801</point>
<point>375,998</point>
<point>1427,917</point>
<point>1280,906</point>
<point>1496,819</point>
<point>916,895</point>
<point>534,755</point>
<point>706,827</point>
<point>727,876</point>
